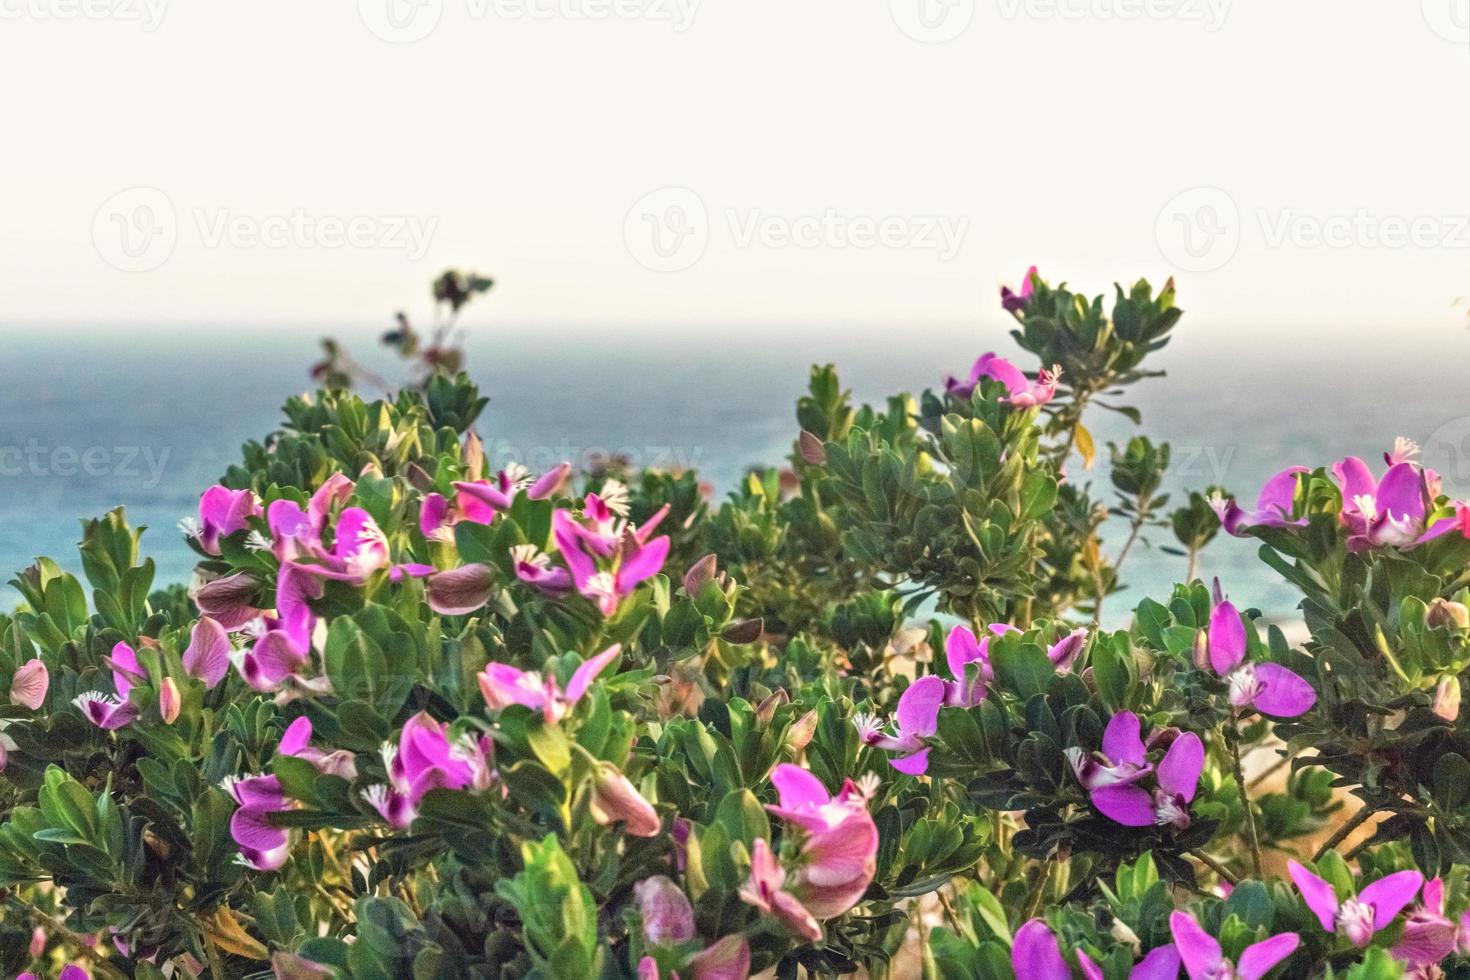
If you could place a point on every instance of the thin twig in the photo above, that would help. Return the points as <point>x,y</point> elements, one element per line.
<point>1245,801</point>
<point>1034,902</point>
<point>1341,834</point>
<point>1217,867</point>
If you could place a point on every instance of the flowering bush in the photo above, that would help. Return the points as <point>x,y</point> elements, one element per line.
<point>417,719</point>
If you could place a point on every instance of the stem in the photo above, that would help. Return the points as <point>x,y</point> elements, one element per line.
<point>1034,902</point>
<point>1192,567</point>
<point>1216,867</point>
<point>1341,834</point>
<point>1233,739</point>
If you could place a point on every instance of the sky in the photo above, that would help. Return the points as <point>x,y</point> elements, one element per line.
<point>662,164</point>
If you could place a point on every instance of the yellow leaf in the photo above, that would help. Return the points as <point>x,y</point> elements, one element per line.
<point>1085,446</point>
<point>225,931</point>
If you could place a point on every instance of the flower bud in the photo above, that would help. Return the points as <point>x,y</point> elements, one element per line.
<point>745,631</point>
<point>1202,650</point>
<point>799,735</point>
<point>1447,698</point>
<point>811,448</point>
<point>169,702</point>
<point>728,959</point>
<point>550,483</point>
<point>1446,615</point>
<point>766,710</point>
<point>668,918</point>
<point>38,943</point>
<point>615,798</point>
<point>700,574</point>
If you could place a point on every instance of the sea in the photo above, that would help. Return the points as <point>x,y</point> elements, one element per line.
<point>96,416</point>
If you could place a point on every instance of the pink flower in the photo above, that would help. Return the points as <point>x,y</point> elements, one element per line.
<point>296,741</point>
<point>229,600</point>
<point>104,710</point>
<point>837,857</point>
<point>1428,935</point>
<point>608,557</point>
<point>1023,392</point>
<point>1013,302</point>
<point>428,758</point>
<point>962,649</point>
<point>223,512</point>
<point>615,799</point>
<point>1360,917</point>
<point>169,702</point>
<point>1113,781</point>
<point>29,685</point>
<point>668,918</point>
<point>766,890</point>
<point>1392,511</point>
<point>503,685</point>
<point>533,566</point>
<point>918,720</point>
<point>1267,687</point>
<point>263,845</point>
<point>460,591</point>
<point>1204,960</point>
<point>208,654</point>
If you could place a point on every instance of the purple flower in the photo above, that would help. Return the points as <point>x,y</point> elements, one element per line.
<point>427,758</point>
<point>668,918</point>
<point>1024,393</point>
<point>1429,936</point>
<point>614,799</point>
<point>607,556</point>
<point>533,566</point>
<point>918,719</point>
<point>263,845</point>
<point>1392,511</point>
<point>1357,918</point>
<point>1013,302</point>
<point>1273,505</point>
<point>222,512</point>
<point>1203,959</point>
<point>104,710</point>
<point>296,741</point>
<point>1112,780</point>
<point>208,654</point>
<point>1123,758</point>
<point>837,859</point>
<point>961,649</point>
<point>766,890</point>
<point>460,591</point>
<point>1036,955</point>
<point>1267,687</point>
<point>504,685</point>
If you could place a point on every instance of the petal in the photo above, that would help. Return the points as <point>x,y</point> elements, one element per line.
<point>550,483</point>
<point>1035,954</point>
<point>125,669</point>
<point>1123,739</point>
<point>460,591</point>
<point>1159,964</point>
<point>1197,949</point>
<point>918,707</point>
<point>796,787</point>
<point>915,764</point>
<point>1390,894</point>
<point>583,676</point>
<point>1125,804</point>
<point>296,738</point>
<point>503,685</point>
<point>208,654</point>
<point>842,853</point>
<point>251,828</point>
<point>1283,693</point>
<point>1091,971</point>
<point>568,542</point>
<point>1318,895</point>
<point>1279,494</point>
<point>1259,958</point>
<point>433,513</point>
<point>960,648</point>
<point>1401,492</point>
<point>1178,773</point>
<point>1226,638</point>
<point>1002,370</point>
<point>29,685</point>
<point>640,562</point>
<point>1353,478</point>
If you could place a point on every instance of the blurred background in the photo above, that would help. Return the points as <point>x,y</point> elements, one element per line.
<point>685,203</point>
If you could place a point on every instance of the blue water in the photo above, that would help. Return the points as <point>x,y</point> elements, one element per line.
<point>91,418</point>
